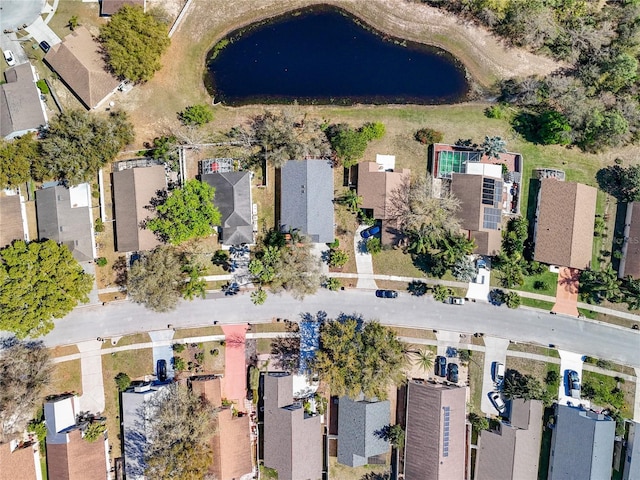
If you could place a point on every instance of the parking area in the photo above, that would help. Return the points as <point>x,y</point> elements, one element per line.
<point>570,361</point>
<point>448,347</point>
<point>495,351</point>
<point>480,286</point>
<point>163,352</point>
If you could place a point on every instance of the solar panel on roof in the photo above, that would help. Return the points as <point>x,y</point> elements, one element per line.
<point>492,218</point>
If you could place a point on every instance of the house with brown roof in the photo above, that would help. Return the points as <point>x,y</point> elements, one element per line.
<point>509,451</point>
<point>376,186</point>
<point>12,219</point>
<point>481,208</point>
<point>79,62</point>
<point>436,433</point>
<point>133,189</point>
<point>69,455</point>
<point>20,458</point>
<point>563,231</point>
<point>21,110</point>
<point>231,442</point>
<point>630,261</point>
<point>109,7</point>
<point>292,438</point>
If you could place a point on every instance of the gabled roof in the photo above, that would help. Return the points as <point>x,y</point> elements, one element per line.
<point>109,7</point>
<point>133,189</point>
<point>18,462</point>
<point>79,62</point>
<point>564,227</point>
<point>359,424</point>
<point>233,199</point>
<point>631,263</point>
<point>20,107</point>
<point>11,225</point>
<point>306,198</point>
<point>376,187</point>
<point>64,215</point>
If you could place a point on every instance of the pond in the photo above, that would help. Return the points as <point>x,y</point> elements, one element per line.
<point>324,56</point>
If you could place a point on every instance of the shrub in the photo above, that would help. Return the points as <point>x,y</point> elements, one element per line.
<point>374,246</point>
<point>428,136</point>
<point>440,293</point>
<point>373,130</point>
<point>512,299</point>
<point>196,115</point>
<point>122,381</point>
<point>199,357</point>
<point>178,363</point>
<point>101,262</point>
<point>93,431</point>
<point>552,377</point>
<point>99,227</point>
<point>334,244</point>
<point>338,258</point>
<point>178,347</point>
<point>494,111</point>
<point>214,352</point>
<point>42,86</point>
<point>540,285</point>
<point>333,284</point>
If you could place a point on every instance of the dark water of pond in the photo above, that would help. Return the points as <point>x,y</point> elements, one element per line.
<point>322,56</point>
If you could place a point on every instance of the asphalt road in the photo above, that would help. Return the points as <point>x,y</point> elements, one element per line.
<point>597,339</point>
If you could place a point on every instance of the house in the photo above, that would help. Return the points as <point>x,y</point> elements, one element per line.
<point>109,7</point>
<point>449,159</point>
<point>632,453</point>
<point>138,405</point>
<point>481,208</point>
<point>581,444</point>
<point>64,215</point>
<point>359,426</point>
<point>233,199</point>
<point>630,261</point>
<point>376,186</point>
<point>12,219</point>
<point>133,189</point>
<point>306,198</point>
<point>563,232</point>
<point>436,433</point>
<point>292,438</point>
<point>79,62</point>
<point>231,442</point>
<point>69,455</point>
<point>21,110</point>
<point>514,443</point>
<point>20,458</point>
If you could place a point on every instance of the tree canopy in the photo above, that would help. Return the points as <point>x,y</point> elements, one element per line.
<point>78,143</point>
<point>16,157</point>
<point>196,115</point>
<point>134,41</point>
<point>185,213</point>
<point>359,357</point>
<point>39,281</point>
<point>620,182</point>
<point>156,280</point>
<point>349,143</point>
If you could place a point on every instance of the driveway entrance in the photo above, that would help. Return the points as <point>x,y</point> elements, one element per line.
<point>567,292</point>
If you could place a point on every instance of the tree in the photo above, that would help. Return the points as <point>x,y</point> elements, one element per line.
<point>332,284</point>
<point>25,370</point>
<point>122,381</point>
<point>350,144</point>
<point>428,136</point>
<point>630,290</point>
<point>526,387</point>
<point>39,281</point>
<point>73,22</point>
<point>258,297</point>
<point>359,357</point>
<point>492,147</point>
<point>94,431</point>
<point>156,280</point>
<point>286,353</point>
<point>599,285</point>
<point>15,160</point>
<point>338,257</point>
<point>194,286</point>
<point>478,422</point>
<point>423,359</point>
<point>394,434</point>
<point>134,41</point>
<point>553,128</point>
<point>78,143</point>
<point>454,247</point>
<point>440,293</point>
<point>373,245</point>
<point>177,446</point>
<point>464,269</point>
<point>620,182</point>
<point>512,299</point>
<point>196,115</point>
<point>296,270</point>
<point>351,199</point>
<point>185,213</point>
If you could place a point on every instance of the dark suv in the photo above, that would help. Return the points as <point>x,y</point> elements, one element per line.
<point>45,46</point>
<point>161,370</point>
<point>441,366</point>
<point>452,372</point>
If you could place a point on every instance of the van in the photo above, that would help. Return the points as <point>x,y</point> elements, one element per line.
<point>498,373</point>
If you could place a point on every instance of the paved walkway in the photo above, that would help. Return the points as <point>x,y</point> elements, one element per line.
<point>234,382</point>
<point>364,261</point>
<point>92,398</point>
<point>567,292</point>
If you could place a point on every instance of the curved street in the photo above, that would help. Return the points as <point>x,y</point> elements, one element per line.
<point>619,344</point>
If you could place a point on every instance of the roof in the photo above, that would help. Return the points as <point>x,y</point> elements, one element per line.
<point>233,199</point>
<point>512,444</point>
<point>448,159</point>
<point>11,225</point>
<point>632,454</point>
<point>231,457</point>
<point>435,439</point>
<point>18,462</point>
<point>376,186</point>
<point>109,7</point>
<point>64,222</point>
<point>306,198</point>
<point>359,424</point>
<point>581,445</point>
<point>133,189</point>
<point>81,66</point>
<point>78,459</point>
<point>564,227</point>
<point>631,263</point>
<point>292,440</point>
<point>20,107</point>
<point>480,210</point>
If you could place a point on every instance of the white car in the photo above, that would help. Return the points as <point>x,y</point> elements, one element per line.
<point>498,373</point>
<point>497,401</point>
<point>8,56</point>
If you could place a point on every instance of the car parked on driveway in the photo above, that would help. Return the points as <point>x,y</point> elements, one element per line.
<point>8,56</point>
<point>452,372</point>
<point>441,366</point>
<point>480,263</point>
<point>45,46</point>
<point>370,232</point>
<point>161,370</point>
<point>497,372</point>
<point>573,383</point>
<point>386,293</point>
<point>497,402</point>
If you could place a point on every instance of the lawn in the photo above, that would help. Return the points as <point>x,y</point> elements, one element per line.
<point>344,472</point>
<point>414,333</point>
<point>65,377</point>
<point>545,450</point>
<point>197,332</point>
<point>396,262</point>
<point>476,366</point>
<point>550,280</point>
<point>63,351</point>
<point>606,389</point>
<point>535,303</point>
<point>537,370</point>
<point>129,340</point>
<point>537,349</point>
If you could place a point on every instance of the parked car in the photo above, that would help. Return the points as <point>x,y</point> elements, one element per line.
<point>455,300</point>
<point>161,370</point>
<point>370,232</point>
<point>45,46</point>
<point>8,56</point>
<point>573,383</point>
<point>497,402</point>
<point>480,263</point>
<point>386,293</point>
<point>452,372</point>
<point>497,372</point>
<point>441,366</point>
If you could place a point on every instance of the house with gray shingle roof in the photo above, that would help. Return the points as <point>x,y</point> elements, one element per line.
<point>306,199</point>
<point>360,424</point>
<point>581,445</point>
<point>632,453</point>
<point>233,199</point>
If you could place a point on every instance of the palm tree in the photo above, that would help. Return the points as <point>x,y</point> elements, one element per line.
<point>351,199</point>
<point>423,359</point>
<point>601,285</point>
<point>630,289</point>
<point>454,247</point>
<point>492,147</point>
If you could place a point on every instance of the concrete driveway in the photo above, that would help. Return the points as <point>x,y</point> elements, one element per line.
<point>480,286</point>
<point>364,261</point>
<point>163,352</point>
<point>40,31</point>
<point>495,351</point>
<point>570,361</point>
<point>9,41</point>
<point>92,398</point>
